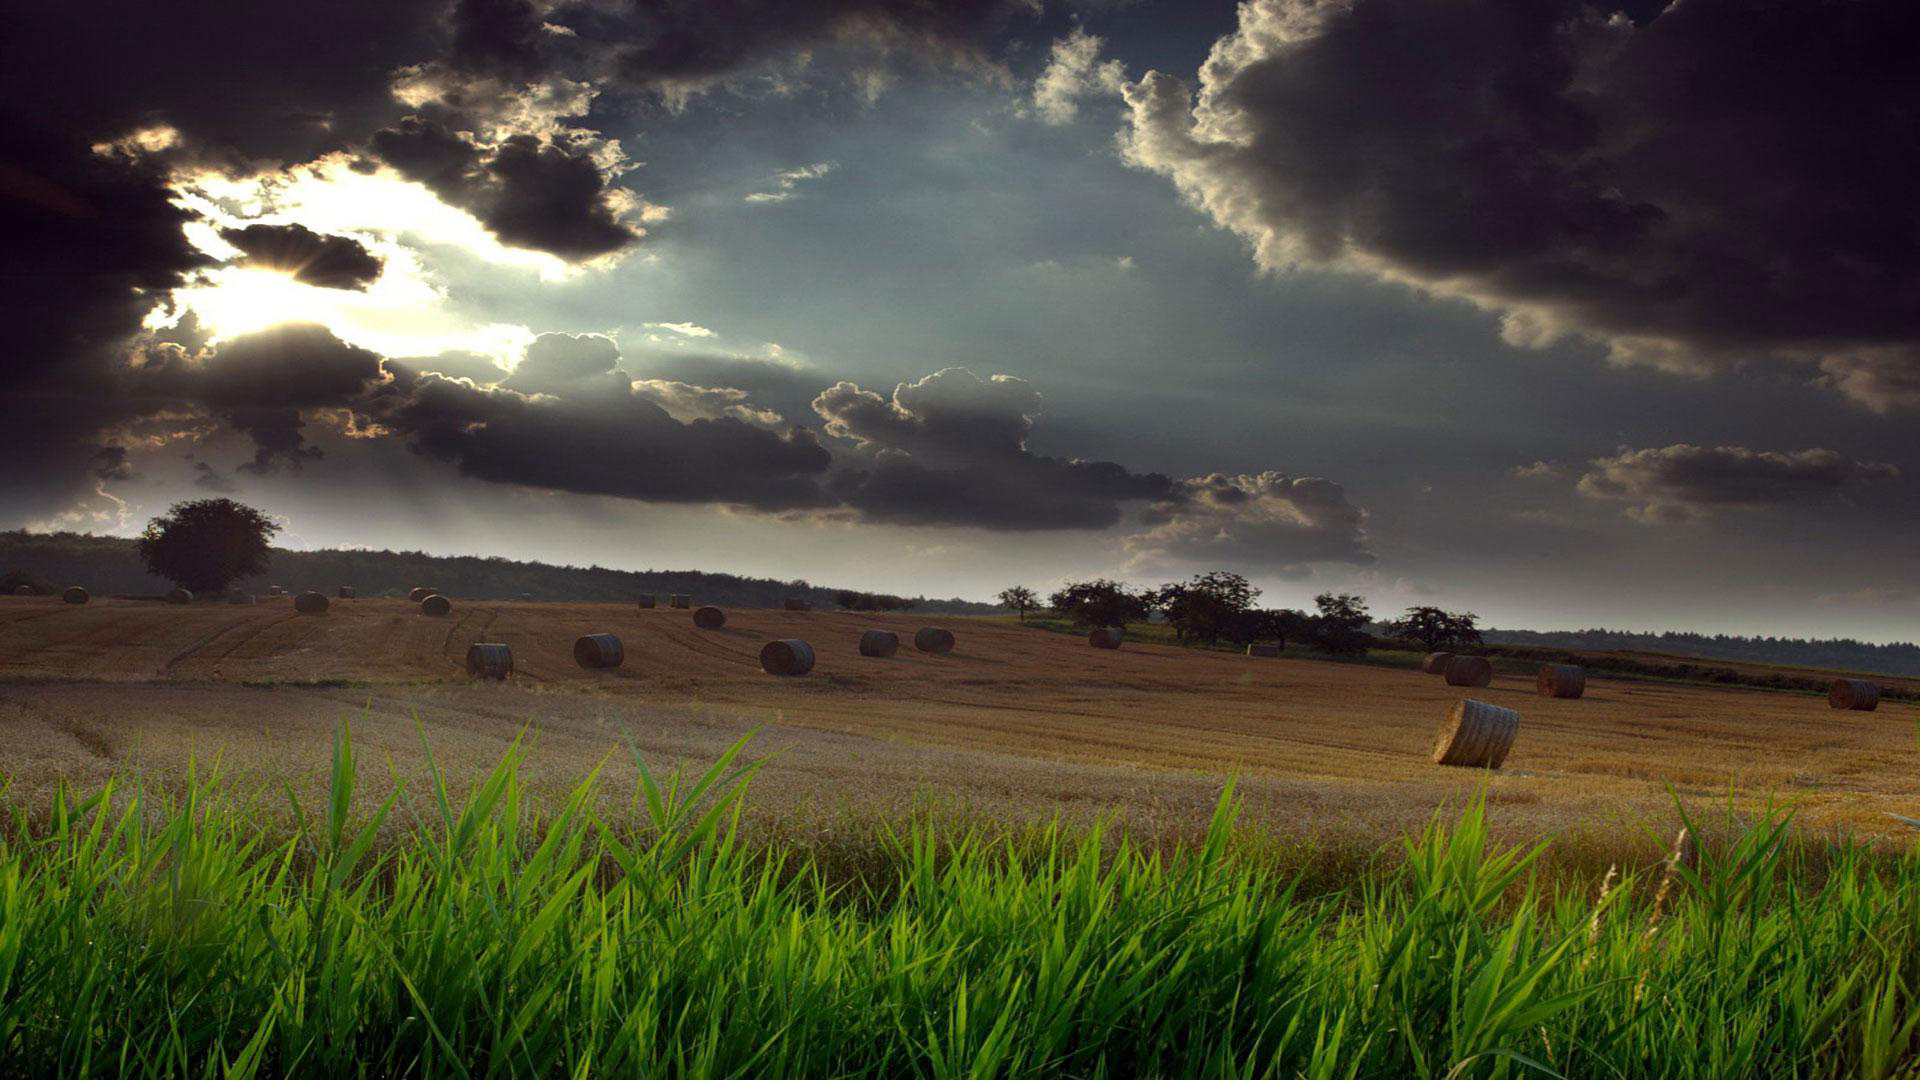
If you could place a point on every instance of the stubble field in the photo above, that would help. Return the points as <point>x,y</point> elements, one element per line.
<point>1015,723</point>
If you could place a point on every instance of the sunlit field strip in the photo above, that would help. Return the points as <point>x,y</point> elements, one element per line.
<point>180,932</point>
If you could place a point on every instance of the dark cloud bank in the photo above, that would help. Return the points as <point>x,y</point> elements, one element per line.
<point>1692,185</point>
<point>329,262</point>
<point>1681,483</point>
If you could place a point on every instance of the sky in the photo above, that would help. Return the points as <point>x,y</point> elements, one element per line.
<point>1568,314</point>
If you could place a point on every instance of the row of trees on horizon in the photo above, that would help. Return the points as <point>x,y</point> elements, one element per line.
<point>1219,605</point>
<point>211,545</point>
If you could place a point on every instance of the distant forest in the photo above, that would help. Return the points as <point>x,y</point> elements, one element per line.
<point>1839,654</point>
<point>109,566</point>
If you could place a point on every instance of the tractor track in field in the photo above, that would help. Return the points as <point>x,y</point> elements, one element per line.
<point>218,633</point>
<point>243,640</point>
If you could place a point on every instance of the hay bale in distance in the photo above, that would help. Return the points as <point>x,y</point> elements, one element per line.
<point>23,590</point>
<point>680,600</point>
<point>794,603</point>
<point>436,605</point>
<point>489,661</point>
<point>709,618</point>
<point>310,603</point>
<point>1468,671</point>
<point>599,651</point>
<point>932,639</point>
<point>1561,680</point>
<point>1436,663</point>
<point>1257,649</point>
<point>75,595</point>
<point>1106,637</point>
<point>1856,695</point>
<point>789,656</point>
<point>1476,735</point>
<point>880,643</point>
<point>179,596</point>
<point>646,602</point>
<point>418,593</point>
<point>346,592</point>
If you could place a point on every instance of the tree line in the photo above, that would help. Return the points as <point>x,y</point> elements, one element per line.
<point>1221,606</point>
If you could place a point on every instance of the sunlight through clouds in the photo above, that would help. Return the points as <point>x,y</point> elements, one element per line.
<point>331,196</point>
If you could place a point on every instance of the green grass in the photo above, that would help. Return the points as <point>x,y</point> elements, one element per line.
<point>172,930</point>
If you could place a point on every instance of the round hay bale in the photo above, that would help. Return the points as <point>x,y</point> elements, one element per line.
<point>1561,680</point>
<point>646,602</point>
<point>709,618</point>
<point>346,592</point>
<point>418,593</point>
<point>1107,637</point>
<point>310,603</point>
<point>1468,671</point>
<point>1436,663</point>
<point>680,600</point>
<point>435,605</point>
<point>789,656</point>
<point>1476,734</point>
<point>932,639</point>
<point>489,661</point>
<point>23,590</point>
<point>794,603</point>
<point>1258,649</point>
<point>242,598</point>
<point>75,595</point>
<point>179,596</point>
<point>599,651</point>
<point>1857,695</point>
<point>880,643</point>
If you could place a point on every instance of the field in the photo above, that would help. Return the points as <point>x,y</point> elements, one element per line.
<point>901,867</point>
<point>1014,723</point>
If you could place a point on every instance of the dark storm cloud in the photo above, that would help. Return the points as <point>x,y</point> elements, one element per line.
<point>1271,523</point>
<point>480,368</point>
<point>262,81</point>
<point>621,446</point>
<point>331,262</point>
<point>208,478</point>
<point>1679,483</point>
<point>690,43</point>
<point>90,241</point>
<point>261,383</point>
<point>951,449</point>
<point>542,193</point>
<point>1716,181</point>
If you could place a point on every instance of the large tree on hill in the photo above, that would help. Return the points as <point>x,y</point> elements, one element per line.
<point>208,544</point>
<point>1436,629</point>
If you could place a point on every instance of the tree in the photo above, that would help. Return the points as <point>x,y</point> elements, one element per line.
<point>1436,629</point>
<point>207,544</point>
<point>1266,624</point>
<point>1207,607</point>
<point>1019,598</point>
<point>1099,603</point>
<point>1340,628</point>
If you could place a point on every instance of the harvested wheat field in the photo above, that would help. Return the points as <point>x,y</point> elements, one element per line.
<point>1014,721</point>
